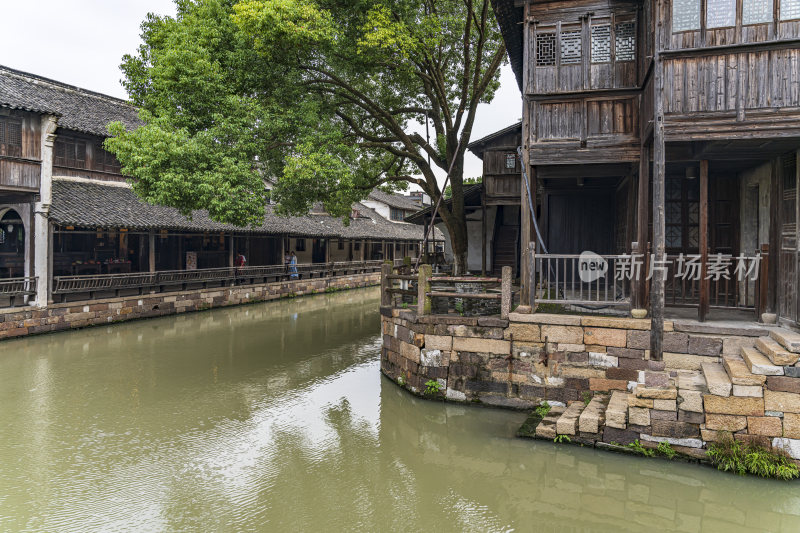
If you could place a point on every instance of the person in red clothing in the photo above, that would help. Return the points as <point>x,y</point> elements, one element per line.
<point>241,260</point>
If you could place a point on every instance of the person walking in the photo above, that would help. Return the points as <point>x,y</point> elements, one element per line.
<point>293,266</point>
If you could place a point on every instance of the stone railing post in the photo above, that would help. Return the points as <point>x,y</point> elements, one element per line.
<point>423,288</point>
<point>386,283</point>
<point>505,292</point>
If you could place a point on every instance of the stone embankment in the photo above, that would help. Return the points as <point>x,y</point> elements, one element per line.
<point>19,322</point>
<point>597,374</point>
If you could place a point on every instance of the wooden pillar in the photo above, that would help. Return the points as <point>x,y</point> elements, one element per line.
<point>775,204</point>
<point>423,288</point>
<point>659,164</point>
<point>230,251</point>
<point>363,249</point>
<point>526,234</point>
<point>642,223</point>
<point>705,286</point>
<point>151,250</point>
<point>483,230</point>
<point>327,243</point>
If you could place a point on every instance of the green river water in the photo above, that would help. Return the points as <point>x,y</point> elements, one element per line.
<point>275,417</point>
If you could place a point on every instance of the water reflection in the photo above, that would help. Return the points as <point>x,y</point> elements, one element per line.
<point>274,417</point>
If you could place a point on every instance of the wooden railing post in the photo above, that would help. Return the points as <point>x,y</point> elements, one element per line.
<point>505,292</point>
<point>386,283</point>
<point>423,288</point>
<point>532,275</point>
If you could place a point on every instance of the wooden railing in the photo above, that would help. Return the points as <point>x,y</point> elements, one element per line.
<point>558,281</point>
<point>157,281</point>
<point>424,292</point>
<point>16,289</point>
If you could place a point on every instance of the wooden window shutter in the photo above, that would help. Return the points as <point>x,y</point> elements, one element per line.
<point>60,154</point>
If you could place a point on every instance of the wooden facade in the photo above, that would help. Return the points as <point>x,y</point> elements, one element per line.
<point>682,118</point>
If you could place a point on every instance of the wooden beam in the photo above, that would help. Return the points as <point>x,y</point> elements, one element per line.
<point>659,164</point>
<point>705,286</point>
<point>151,251</point>
<point>774,236</point>
<point>483,232</point>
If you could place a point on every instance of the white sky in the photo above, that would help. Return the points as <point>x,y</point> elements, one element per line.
<point>81,42</point>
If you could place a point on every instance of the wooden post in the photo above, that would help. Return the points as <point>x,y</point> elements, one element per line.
<point>705,286</point>
<point>386,284</point>
<point>483,230</point>
<point>151,250</point>
<point>642,223</point>
<point>775,223</point>
<point>659,163</point>
<point>423,288</point>
<point>505,292</point>
<point>532,276</point>
<point>230,250</point>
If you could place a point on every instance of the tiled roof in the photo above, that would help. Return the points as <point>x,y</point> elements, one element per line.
<point>394,200</point>
<point>78,109</point>
<point>93,204</point>
<point>510,18</point>
<point>477,145</point>
<point>472,198</point>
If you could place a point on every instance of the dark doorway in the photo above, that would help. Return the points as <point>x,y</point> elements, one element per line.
<point>318,251</point>
<point>12,245</point>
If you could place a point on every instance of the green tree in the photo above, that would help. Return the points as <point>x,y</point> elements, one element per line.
<point>325,95</point>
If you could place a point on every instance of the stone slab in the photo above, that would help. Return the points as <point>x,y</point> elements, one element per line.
<point>768,426</point>
<point>730,423</point>
<point>786,338</point>
<point>472,344</point>
<point>605,337</point>
<point>786,402</point>
<point>545,318</point>
<point>690,400</point>
<point>618,323</point>
<point>790,446</point>
<point>593,416</point>
<point>567,423</point>
<point>739,374</point>
<point>639,416</point>
<point>783,384</point>
<point>733,405</point>
<point>688,442</point>
<point>655,393</point>
<point>617,411</point>
<point>775,352</point>
<point>717,379</point>
<point>758,363</point>
<point>752,391</point>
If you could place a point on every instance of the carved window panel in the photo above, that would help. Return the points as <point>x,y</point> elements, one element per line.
<point>756,11</point>
<point>720,13</point>
<point>685,15</point>
<point>70,153</point>
<point>571,47</point>
<point>601,43</point>
<point>545,49</point>
<point>790,9</point>
<point>673,237</point>
<point>511,161</point>
<point>625,41</point>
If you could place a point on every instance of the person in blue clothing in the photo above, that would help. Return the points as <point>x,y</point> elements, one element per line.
<point>293,266</point>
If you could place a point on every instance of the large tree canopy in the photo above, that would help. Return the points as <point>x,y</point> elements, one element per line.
<point>325,96</point>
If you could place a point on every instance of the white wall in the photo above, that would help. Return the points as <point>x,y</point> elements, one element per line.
<point>379,207</point>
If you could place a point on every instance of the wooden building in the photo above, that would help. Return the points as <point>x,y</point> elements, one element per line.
<point>67,212</point>
<point>663,126</point>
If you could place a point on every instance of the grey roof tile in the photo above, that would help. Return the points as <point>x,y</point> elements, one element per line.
<point>78,109</point>
<point>95,204</point>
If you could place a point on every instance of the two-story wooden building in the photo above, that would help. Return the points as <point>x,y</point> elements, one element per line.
<point>663,126</point>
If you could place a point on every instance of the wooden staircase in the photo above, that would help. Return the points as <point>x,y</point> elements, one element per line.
<point>506,243</point>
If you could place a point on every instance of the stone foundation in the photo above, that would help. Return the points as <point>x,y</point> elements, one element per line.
<point>598,371</point>
<point>19,322</point>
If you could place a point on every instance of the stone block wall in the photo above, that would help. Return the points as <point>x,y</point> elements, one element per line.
<point>599,369</point>
<point>19,322</point>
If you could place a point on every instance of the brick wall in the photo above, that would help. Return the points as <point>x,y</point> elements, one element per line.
<point>58,317</point>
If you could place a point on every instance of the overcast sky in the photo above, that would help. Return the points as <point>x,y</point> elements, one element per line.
<point>81,42</point>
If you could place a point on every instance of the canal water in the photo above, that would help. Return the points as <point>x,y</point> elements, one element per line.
<point>274,417</point>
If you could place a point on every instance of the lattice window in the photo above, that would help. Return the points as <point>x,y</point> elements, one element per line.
<point>790,9</point>
<point>756,11</point>
<point>70,153</point>
<point>10,138</point>
<point>601,43</point>
<point>685,15</point>
<point>105,161</point>
<point>571,47</point>
<point>625,41</point>
<point>545,49</point>
<point>720,13</point>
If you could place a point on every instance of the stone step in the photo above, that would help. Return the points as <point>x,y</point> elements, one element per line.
<point>593,416</point>
<point>719,384</point>
<point>788,339</point>
<point>739,374</point>
<point>617,410</point>
<point>691,380</point>
<point>758,363</point>
<point>567,423</point>
<point>775,352</point>
<point>547,427</point>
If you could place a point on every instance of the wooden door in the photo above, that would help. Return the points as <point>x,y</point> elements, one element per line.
<point>578,222</point>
